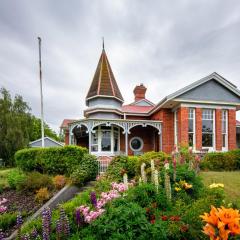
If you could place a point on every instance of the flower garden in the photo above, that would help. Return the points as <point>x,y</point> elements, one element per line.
<point>153,196</point>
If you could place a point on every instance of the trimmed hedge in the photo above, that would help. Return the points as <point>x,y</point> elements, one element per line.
<point>221,161</point>
<point>52,160</point>
<point>85,171</point>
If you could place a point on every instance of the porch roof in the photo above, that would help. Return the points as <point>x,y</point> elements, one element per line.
<point>125,124</point>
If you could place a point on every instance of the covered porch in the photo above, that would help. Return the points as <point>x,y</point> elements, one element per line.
<point>116,136</point>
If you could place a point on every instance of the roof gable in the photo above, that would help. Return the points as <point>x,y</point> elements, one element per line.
<point>143,102</point>
<point>210,91</point>
<point>214,76</point>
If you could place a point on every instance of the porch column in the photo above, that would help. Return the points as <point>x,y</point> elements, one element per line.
<point>160,142</point>
<point>89,141</point>
<point>126,143</point>
<point>70,136</point>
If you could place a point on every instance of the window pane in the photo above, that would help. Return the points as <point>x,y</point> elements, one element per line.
<point>94,148</point>
<point>106,140</point>
<point>223,140</point>
<point>207,126</point>
<point>190,139</point>
<point>115,141</point>
<point>207,140</point>
<point>95,138</point>
<point>190,125</point>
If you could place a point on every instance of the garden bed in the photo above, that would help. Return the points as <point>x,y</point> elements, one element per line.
<point>23,202</point>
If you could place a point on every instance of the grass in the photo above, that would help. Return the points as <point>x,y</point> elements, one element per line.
<point>231,181</point>
<point>3,176</point>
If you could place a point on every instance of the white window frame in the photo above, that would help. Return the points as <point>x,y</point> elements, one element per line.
<point>99,135</point>
<point>226,133</point>
<point>194,127</point>
<point>176,127</point>
<point>141,147</point>
<point>211,149</point>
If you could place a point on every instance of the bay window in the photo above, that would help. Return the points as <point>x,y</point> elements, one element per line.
<point>208,128</point>
<point>191,127</point>
<point>224,130</point>
<point>105,139</point>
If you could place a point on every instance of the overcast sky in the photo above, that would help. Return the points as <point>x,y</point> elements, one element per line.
<point>163,44</point>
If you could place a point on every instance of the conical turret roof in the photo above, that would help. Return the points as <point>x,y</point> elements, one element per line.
<point>104,83</point>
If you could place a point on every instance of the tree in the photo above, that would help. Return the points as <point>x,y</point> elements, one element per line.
<point>35,131</point>
<point>18,126</point>
<point>15,119</point>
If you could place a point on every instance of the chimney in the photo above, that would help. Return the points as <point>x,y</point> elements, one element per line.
<point>139,92</point>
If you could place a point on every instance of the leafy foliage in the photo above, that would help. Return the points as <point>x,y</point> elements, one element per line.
<point>18,126</point>
<point>52,160</point>
<point>59,181</point>
<point>158,157</point>
<point>42,195</point>
<point>222,161</point>
<point>16,179</point>
<point>35,181</point>
<point>120,165</point>
<point>85,171</point>
<point>128,221</point>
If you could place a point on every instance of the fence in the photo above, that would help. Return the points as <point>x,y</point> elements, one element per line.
<point>103,163</point>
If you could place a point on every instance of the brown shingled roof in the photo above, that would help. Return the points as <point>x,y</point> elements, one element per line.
<point>104,82</point>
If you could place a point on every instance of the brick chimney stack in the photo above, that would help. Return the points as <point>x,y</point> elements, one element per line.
<point>139,92</point>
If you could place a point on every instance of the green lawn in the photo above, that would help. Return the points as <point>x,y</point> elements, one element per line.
<point>3,176</point>
<point>231,181</point>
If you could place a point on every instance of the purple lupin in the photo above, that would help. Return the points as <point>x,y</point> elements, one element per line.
<point>1,234</point>
<point>46,223</point>
<point>93,199</point>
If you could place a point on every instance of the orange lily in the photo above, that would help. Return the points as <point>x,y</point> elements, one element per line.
<point>228,215</point>
<point>211,218</point>
<point>234,228</point>
<point>209,230</point>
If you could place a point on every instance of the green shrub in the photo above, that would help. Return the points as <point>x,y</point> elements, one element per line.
<point>16,179</point>
<point>52,160</point>
<point>184,174</point>
<point>121,164</point>
<point>86,171</point>
<point>145,195</point>
<point>35,181</point>
<point>221,161</point>
<point>127,221</point>
<point>8,220</point>
<point>158,157</point>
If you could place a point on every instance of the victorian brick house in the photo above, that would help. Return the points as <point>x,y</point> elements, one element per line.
<point>202,115</point>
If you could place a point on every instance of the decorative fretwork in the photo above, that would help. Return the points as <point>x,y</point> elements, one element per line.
<point>126,125</point>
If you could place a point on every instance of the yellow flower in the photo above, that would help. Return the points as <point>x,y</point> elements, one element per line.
<point>177,189</point>
<point>216,185</point>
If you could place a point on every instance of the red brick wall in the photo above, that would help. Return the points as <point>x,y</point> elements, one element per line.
<point>231,129</point>
<point>66,140</point>
<point>182,126</point>
<point>167,116</point>
<point>218,129</point>
<point>147,134</point>
<point>198,116</point>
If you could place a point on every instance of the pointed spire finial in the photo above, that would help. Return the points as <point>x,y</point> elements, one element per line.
<point>103,43</point>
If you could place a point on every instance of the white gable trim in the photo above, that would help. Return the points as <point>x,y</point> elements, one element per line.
<point>50,139</point>
<point>143,100</point>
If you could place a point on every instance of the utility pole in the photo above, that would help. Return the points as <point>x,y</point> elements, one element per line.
<point>41,92</point>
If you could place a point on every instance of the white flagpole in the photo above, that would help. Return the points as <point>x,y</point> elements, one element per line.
<point>41,92</point>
